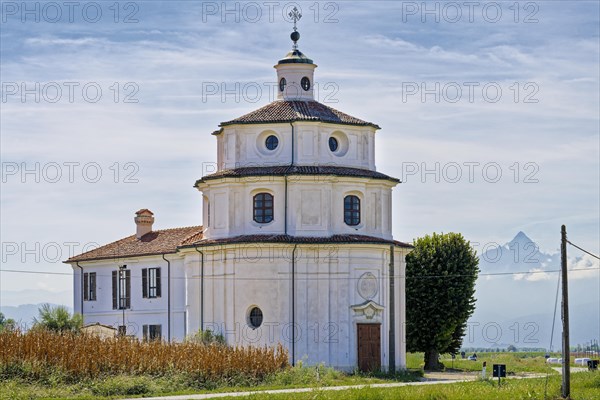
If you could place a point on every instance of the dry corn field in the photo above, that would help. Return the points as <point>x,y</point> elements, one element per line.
<point>81,356</point>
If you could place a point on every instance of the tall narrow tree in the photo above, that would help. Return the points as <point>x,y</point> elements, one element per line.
<point>441,272</point>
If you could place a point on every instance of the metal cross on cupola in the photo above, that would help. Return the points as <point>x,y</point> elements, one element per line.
<point>295,15</point>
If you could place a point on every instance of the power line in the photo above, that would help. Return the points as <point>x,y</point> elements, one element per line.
<point>321,273</point>
<point>585,251</point>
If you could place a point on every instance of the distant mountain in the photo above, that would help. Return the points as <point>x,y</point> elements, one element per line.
<point>518,308</point>
<point>520,254</point>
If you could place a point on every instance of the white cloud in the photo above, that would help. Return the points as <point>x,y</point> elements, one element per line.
<point>538,274</point>
<point>587,267</point>
<point>50,41</point>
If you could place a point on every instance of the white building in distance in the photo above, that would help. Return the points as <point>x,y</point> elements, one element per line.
<point>296,246</point>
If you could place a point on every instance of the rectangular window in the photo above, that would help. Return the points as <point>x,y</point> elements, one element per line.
<point>151,332</point>
<point>121,289</point>
<point>352,210</point>
<point>122,330</point>
<point>89,286</point>
<point>151,283</point>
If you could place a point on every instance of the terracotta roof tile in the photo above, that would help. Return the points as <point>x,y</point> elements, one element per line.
<point>144,211</point>
<point>289,111</point>
<point>337,239</point>
<point>169,240</point>
<point>155,242</point>
<point>296,170</point>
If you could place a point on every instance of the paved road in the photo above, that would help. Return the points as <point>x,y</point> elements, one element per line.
<point>573,369</point>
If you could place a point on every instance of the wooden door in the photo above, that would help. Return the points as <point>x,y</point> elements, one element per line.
<point>369,347</point>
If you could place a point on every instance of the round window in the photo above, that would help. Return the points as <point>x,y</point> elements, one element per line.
<point>305,83</point>
<point>272,142</point>
<point>333,144</point>
<point>282,84</point>
<point>255,317</point>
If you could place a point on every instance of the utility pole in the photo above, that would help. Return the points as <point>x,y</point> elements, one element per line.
<point>566,351</point>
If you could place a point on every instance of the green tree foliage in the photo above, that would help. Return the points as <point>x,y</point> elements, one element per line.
<point>57,319</point>
<point>207,337</point>
<point>6,323</point>
<point>440,286</point>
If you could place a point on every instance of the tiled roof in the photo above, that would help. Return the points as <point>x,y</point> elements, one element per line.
<point>296,170</point>
<point>337,239</point>
<point>155,242</point>
<point>169,240</point>
<point>296,110</point>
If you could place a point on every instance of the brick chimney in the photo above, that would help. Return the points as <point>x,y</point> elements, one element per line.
<point>143,220</point>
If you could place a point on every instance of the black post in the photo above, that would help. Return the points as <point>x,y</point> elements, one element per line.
<point>566,351</point>
<point>392,318</point>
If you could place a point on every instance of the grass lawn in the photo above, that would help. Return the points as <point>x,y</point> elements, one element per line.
<point>584,386</point>
<point>516,363</point>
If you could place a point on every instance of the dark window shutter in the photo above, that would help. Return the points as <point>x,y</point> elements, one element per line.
<point>86,286</point>
<point>128,288</point>
<point>158,332</point>
<point>115,284</point>
<point>93,286</point>
<point>145,332</point>
<point>157,282</point>
<point>145,283</point>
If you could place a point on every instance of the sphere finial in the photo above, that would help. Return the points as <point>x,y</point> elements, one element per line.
<point>295,36</point>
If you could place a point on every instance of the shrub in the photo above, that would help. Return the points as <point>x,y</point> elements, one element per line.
<point>207,337</point>
<point>122,386</point>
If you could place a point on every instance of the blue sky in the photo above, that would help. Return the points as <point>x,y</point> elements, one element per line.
<point>372,56</point>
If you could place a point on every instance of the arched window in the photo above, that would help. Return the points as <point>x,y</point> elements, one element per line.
<point>351,210</point>
<point>263,208</point>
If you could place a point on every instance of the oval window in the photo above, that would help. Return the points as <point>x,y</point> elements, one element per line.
<point>333,144</point>
<point>282,84</point>
<point>255,317</point>
<point>272,142</point>
<point>305,83</point>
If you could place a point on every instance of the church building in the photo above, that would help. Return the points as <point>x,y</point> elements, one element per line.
<point>296,246</point>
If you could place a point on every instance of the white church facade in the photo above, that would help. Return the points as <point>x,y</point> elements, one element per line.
<point>296,245</point>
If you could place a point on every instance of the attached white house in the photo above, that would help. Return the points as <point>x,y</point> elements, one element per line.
<point>296,246</point>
